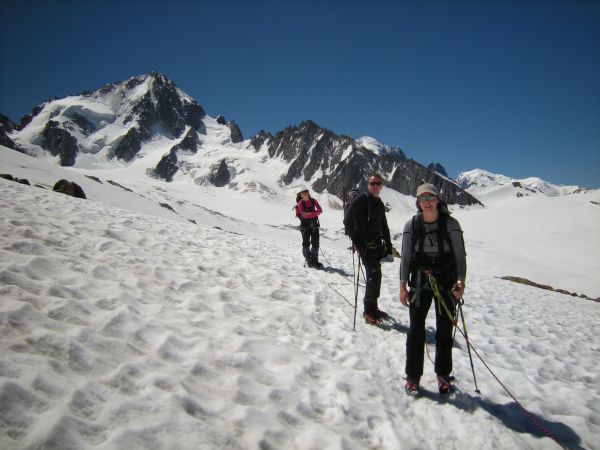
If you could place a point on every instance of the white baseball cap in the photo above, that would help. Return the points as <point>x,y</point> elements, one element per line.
<point>427,187</point>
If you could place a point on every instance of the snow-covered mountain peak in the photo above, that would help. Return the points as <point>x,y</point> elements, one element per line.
<point>115,121</point>
<point>481,178</point>
<point>479,181</point>
<point>378,148</point>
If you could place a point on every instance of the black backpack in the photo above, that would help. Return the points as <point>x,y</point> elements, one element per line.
<point>349,197</point>
<point>446,261</point>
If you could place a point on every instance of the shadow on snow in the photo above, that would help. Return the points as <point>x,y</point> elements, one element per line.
<point>510,415</point>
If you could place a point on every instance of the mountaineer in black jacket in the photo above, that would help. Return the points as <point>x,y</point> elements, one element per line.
<point>366,224</point>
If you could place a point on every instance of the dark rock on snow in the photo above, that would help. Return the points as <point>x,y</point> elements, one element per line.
<point>259,139</point>
<point>59,141</point>
<point>236,133</point>
<point>69,188</point>
<point>168,166</point>
<point>220,175</point>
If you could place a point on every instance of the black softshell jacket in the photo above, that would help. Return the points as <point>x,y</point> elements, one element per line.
<point>365,220</point>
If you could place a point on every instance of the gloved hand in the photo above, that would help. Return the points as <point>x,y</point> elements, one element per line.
<point>404,295</point>
<point>458,289</point>
<point>359,246</point>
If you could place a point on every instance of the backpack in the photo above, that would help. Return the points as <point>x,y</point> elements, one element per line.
<point>445,264</point>
<point>349,197</point>
<point>442,235</point>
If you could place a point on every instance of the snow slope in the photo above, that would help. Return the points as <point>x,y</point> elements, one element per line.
<point>125,325</point>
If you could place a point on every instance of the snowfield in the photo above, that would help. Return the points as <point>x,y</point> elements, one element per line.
<point>124,325</point>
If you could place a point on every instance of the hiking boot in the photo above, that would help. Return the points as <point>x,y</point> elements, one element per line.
<point>306,253</point>
<point>382,315</point>
<point>314,256</point>
<point>411,387</point>
<point>311,263</point>
<point>444,384</point>
<point>371,319</point>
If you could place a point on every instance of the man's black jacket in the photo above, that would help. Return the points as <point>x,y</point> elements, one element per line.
<point>364,221</point>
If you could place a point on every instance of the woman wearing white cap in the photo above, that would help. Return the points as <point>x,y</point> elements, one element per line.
<point>432,249</point>
<point>308,211</point>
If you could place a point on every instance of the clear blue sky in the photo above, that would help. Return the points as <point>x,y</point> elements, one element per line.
<point>510,86</point>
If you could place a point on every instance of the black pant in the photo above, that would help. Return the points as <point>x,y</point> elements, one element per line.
<point>310,236</point>
<point>415,341</point>
<point>370,259</point>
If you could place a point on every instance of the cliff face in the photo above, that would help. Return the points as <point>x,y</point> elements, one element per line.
<point>339,163</point>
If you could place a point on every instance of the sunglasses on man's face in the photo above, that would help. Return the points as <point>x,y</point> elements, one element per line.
<point>376,183</point>
<point>426,198</point>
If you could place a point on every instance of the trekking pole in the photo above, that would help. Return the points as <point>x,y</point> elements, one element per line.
<point>462,316</point>
<point>355,289</point>
<point>455,321</point>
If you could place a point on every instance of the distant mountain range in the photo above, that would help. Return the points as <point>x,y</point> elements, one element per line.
<point>479,181</point>
<point>124,121</point>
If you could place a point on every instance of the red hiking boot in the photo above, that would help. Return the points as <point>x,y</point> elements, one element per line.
<point>371,319</point>
<point>444,384</point>
<point>411,387</point>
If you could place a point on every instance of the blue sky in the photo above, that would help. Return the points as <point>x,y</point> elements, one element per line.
<point>512,87</point>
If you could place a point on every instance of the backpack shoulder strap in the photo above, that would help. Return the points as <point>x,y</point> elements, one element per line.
<point>442,233</point>
<point>417,232</point>
<point>368,197</point>
<point>420,228</point>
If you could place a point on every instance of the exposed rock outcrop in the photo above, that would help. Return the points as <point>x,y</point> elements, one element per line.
<point>6,126</point>
<point>236,133</point>
<point>168,166</point>
<point>220,175</point>
<point>437,167</point>
<point>69,188</point>
<point>259,139</point>
<point>59,141</point>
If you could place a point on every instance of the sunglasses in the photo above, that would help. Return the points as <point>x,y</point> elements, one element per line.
<point>375,183</point>
<point>426,198</point>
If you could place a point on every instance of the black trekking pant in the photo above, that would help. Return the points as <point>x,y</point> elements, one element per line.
<point>370,259</point>
<point>415,340</point>
<point>310,236</point>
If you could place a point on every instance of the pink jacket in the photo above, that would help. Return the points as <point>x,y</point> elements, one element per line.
<point>314,210</point>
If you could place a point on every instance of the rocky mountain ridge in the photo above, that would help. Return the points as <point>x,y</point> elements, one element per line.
<point>119,120</point>
<point>339,163</point>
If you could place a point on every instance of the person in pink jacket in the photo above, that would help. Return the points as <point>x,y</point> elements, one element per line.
<point>308,211</point>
